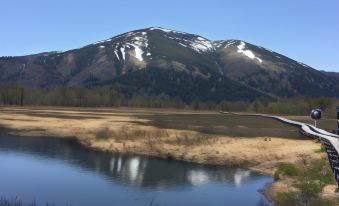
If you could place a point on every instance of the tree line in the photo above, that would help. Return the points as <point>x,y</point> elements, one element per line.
<point>16,94</point>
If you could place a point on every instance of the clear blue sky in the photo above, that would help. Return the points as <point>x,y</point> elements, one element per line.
<point>305,30</point>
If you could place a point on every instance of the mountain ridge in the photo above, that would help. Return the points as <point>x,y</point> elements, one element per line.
<point>236,67</point>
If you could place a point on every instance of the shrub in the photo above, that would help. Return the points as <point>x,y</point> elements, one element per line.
<point>309,191</point>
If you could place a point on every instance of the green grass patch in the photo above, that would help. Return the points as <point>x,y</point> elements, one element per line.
<point>319,170</point>
<point>288,169</point>
<point>321,150</point>
<point>310,179</point>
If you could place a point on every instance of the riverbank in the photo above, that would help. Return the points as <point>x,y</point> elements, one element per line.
<point>201,137</point>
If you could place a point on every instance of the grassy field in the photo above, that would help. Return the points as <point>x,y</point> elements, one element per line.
<point>221,124</point>
<point>207,122</point>
<point>258,143</point>
<point>204,122</point>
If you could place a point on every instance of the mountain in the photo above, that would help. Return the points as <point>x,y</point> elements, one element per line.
<point>157,61</point>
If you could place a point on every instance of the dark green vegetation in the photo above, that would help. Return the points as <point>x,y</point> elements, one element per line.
<point>161,68</point>
<point>184,86</point>
<point>230,125</point>
<point>15,94</point>
<point>310,178</point>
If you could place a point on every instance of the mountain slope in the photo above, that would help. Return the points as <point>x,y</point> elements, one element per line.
<point>272,72</point>
<point>156,60</point>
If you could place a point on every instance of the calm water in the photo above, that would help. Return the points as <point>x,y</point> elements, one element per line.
<point>64,172</point>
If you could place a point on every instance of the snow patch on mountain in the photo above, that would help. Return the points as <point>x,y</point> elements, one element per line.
<point>116,54</point>
<point>198,44</point>
<point>230,43</point>
<point>136,41</point>
<point>138,53</point>
<point>159,28</point>
<point>125,35</point>
<point>246,52</point>
<point>302,64</point>
<point>269,50</point>
<point>217,43</point>
<point>223,44</point>
<point>99,42</point>
<point>166,30</point>
<point>184,45</point>
<point>122,49</point>
<point>202,44</point>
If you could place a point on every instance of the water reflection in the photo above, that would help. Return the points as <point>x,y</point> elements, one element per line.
<point>240,176</point>
<point>131,170</point>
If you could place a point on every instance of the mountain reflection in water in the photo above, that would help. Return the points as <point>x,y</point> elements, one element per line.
<point>141,175</point>
<point>127,169</point>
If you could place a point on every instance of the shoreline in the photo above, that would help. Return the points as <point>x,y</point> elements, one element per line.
<point>123,135</point>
